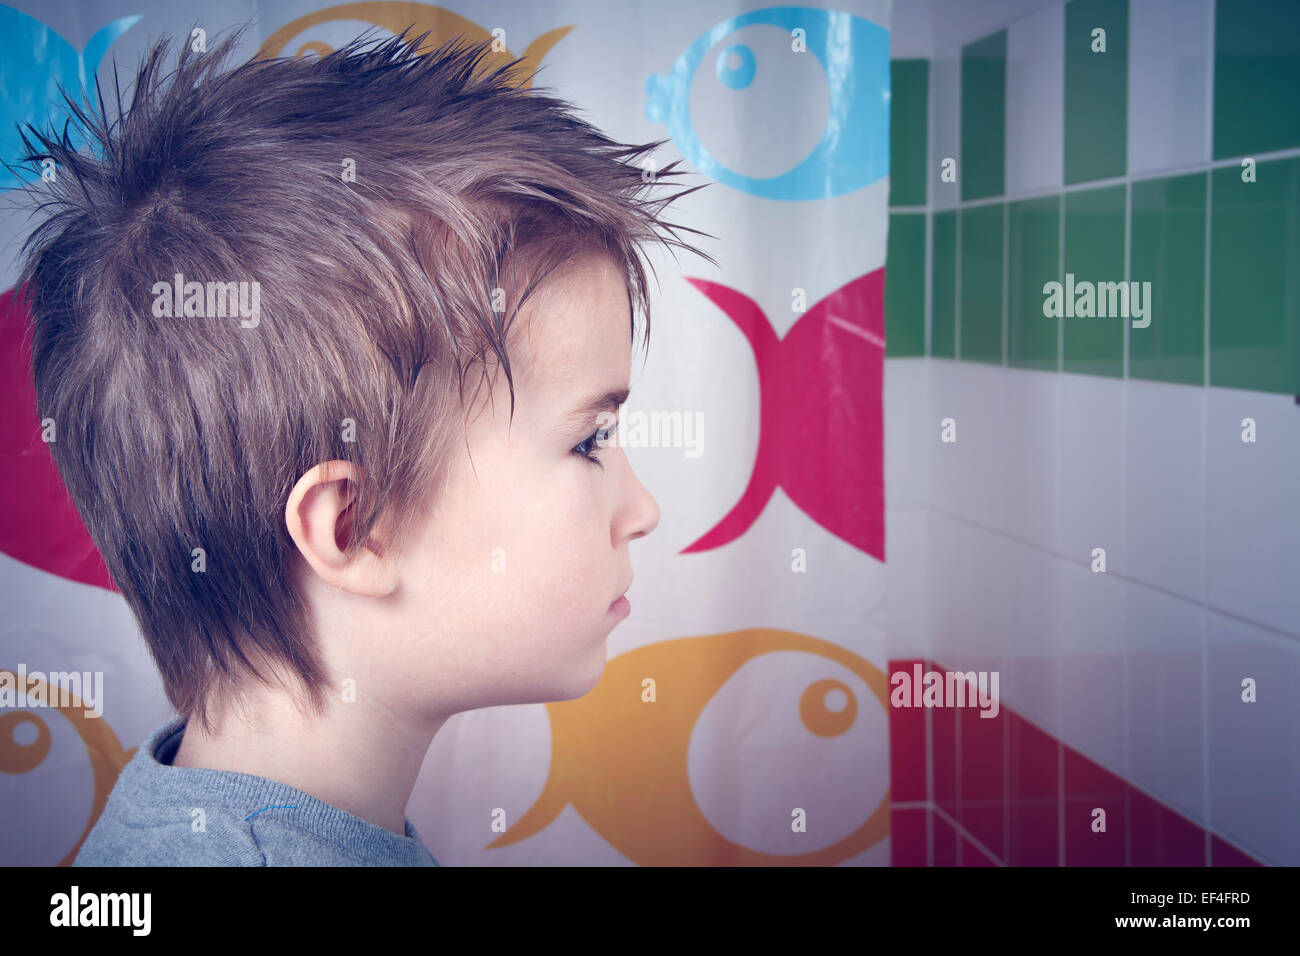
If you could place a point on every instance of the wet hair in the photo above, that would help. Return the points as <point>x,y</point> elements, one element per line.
<point>387,204</point>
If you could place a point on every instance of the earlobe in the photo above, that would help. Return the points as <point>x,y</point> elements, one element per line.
<point>318,516</point>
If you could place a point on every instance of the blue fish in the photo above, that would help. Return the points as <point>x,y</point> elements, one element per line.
<point>34,62</point>
<point>853,151</point>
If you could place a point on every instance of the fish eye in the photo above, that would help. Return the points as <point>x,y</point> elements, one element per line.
<point>742,74</point>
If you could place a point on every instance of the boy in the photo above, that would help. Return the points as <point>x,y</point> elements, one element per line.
<point>256,310</point>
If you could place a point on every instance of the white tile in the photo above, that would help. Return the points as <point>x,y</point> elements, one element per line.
<point>907,583</point>
<point>1036,101</point>
<point>962,21</point>
<point>1254,748</point>
<point>972,595</point>
<point>1003,471</point>
<point>911,33</point>
<point>908,432</point>
<point>997,605</point>
<point>1031,676</point>
<point>1025,458</point>
<point>1092,470</point>
<point>1169,54</point>
<point>1165,655</point>
<point>1093,647</point>
<point>1164,487</point>
<point>945,128</point>
<point>1252,512</point>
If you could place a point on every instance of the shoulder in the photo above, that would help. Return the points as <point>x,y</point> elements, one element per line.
<point>154,818</point>
<point>129,835</point>
<point>286,839</point>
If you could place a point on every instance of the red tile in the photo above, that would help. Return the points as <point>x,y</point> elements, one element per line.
<point>907,837</point>
<point>1160,837</point>
<point>982,806</point>
<point>945,842</point>
<point>907,756</point>
<point>1035,833</point>
<point>971,855</point>
<point>1222,854</point>
<point>1088,787</point>
<point>1035,760</point>
<point>943,727</point>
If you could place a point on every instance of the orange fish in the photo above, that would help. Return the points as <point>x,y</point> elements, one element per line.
<point>440,24</point>
<point>107,758</point>
<point>622,761</point>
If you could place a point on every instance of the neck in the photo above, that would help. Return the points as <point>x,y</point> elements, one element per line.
<point>361,758</point>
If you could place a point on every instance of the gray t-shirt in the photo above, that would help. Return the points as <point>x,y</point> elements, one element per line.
<point>152,819</point>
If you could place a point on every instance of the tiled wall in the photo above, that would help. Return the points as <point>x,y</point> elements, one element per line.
<point>1126,191</point>
<point>1082,433</point>
<point>1002,792</point>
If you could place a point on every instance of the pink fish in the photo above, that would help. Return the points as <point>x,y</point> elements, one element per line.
<point>821,434</point>
<point>821,431</point>
<point>39,525</point>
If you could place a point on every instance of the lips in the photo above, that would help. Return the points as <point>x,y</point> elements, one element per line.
<point>622,595</point>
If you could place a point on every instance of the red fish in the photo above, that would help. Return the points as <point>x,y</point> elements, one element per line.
<point>821,433</point>
<point>39,525</point>
<point>821,430</point>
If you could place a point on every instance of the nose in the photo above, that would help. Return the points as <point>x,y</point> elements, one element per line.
<point>640,514</point>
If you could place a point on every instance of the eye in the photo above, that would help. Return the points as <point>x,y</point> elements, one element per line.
<point>594,442</point>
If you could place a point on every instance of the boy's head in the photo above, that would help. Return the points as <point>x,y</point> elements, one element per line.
<point>376,469</point>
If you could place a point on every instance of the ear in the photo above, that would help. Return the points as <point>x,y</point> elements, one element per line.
<point>319,518</point>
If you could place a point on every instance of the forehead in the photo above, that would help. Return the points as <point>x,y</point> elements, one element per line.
<point>578,325</point>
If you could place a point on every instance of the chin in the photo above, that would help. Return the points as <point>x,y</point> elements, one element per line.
<point>585,679</point>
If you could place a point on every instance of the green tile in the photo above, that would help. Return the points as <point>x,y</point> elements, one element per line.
<point>981,283</point>
<point>983,117</point>
<point>1167,249</point>
<point>905,286</point>
<point>943,287</point>
<point>1254,294</point>
<point>1033,259</point>
<point>1096,91</point>
<point>1256,76</point>
<point>909,105</point>
<point>1094,252</point>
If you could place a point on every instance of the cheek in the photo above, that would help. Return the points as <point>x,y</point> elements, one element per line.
<point>556,534</point>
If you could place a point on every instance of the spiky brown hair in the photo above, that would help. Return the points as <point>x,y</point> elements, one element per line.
<point>376,302</point>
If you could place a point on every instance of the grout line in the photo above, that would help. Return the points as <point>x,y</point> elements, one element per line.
<point>1119,576</point>
<point>1209,86</point>
<point>1060,800</point>
<point>1126,390</point>
<point>1060,258</point>
<point>1206,806</point>
<point>1170,172</point>
<point>1006,269</point>
<point>929,782</point>
<point>1006,790</point>
<point>958,227</point>
<point>957,768</point>
<point>1127,321</point>
<point>1205,631</point>
<point>1209,224</point>
<point>930,197</point>
<point>963,832</point>
<point>927,305</point>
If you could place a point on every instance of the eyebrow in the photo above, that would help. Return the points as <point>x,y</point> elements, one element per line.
<point>604,401</point>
